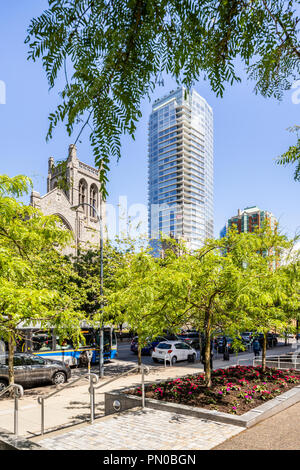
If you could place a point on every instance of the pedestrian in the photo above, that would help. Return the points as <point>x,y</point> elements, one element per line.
<point>256,347</point>
<point>202,352</point>
<point>226,356</point>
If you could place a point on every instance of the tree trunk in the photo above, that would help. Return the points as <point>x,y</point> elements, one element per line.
<point>263,354</point>
<point>200,345</point>
<point>139,355</point>
<point>11,345</point>
<point>207,352</point>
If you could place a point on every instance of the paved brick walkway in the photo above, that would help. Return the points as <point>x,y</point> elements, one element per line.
<point>144,430</point>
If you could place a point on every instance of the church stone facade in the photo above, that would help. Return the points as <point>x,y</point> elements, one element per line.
<point>82,186</point>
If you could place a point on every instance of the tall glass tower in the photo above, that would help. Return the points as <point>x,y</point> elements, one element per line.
<point>180,169</point>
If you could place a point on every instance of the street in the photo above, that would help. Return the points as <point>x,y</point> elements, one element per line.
<point>125,356</point>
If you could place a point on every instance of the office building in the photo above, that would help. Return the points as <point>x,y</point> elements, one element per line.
<point>248,219</point>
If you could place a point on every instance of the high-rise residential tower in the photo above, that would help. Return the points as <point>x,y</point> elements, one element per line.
<point>181,168</point>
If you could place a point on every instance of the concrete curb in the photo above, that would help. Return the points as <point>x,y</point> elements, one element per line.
<point>9,441</point>
<point>246,420</point>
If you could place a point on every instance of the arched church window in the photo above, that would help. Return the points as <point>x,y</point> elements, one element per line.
<point>83,194</point>
<point>93,200</point>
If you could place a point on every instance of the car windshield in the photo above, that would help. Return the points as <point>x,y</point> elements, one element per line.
<point>164,346</point>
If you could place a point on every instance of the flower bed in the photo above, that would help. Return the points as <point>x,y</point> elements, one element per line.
<point>234,390</point>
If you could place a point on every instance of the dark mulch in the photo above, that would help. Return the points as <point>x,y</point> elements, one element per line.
<point>234,390</point>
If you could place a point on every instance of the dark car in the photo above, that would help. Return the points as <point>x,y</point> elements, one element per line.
<point>222,342</point>
<point>149,347</point>
<point>31,370</point>
<point>246,338</point>
<point>191,338</point>
<point>271,340</point>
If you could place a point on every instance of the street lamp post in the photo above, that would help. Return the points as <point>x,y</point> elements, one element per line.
<point>75,208</point>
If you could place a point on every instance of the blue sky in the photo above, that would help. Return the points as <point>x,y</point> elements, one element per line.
<point>249,133</point>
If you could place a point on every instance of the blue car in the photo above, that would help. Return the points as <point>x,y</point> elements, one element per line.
<point>148,348</point>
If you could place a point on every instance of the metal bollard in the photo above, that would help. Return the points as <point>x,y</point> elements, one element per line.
<point>143,387</point>
<point>92,400</point>
<point>18,392</point>
<point>42,402</point>
<point>16,415</point>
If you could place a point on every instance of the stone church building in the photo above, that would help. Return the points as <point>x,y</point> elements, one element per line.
<point>82,186</point>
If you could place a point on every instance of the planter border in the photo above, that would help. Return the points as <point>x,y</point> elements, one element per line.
<point>247,420</point>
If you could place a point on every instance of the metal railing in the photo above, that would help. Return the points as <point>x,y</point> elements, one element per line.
<point>93,380</point>
<point>287,361</point>
<point>247,361</point>
<point>142,367</point>
<point>18,393</point>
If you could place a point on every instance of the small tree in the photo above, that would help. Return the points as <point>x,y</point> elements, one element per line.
<point>146,297</point>
<point>216,277</point>
<point>264,301</point>
<point>34,277</point>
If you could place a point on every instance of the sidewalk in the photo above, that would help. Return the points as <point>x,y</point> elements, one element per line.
<point>71,406</point>
<point>280,432</point>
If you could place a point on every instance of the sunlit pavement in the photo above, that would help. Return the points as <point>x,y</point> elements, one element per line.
<point>71,406</point>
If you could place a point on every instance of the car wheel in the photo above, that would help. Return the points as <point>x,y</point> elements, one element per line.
<point>191,358</point>
<point>173,360</point>
<point>59,378</point>
<point>3,384</point>
<point>154,359</point>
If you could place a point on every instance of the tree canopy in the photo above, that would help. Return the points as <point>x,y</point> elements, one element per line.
<point>292,155</point>
<point>112,54</point>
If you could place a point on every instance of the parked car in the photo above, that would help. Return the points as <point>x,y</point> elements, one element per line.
<point>191,338</point>
<point>148,348</point>
<point>175,351</point>
<point>221,342</point>
<point>272,340</point>
<point>247,338</point>
<point>31,370</point>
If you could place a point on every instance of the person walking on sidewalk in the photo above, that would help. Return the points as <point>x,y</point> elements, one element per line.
<point>256,347</point>
<point>226,356</point>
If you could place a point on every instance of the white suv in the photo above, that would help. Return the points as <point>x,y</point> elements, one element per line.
<point>173,351</point>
